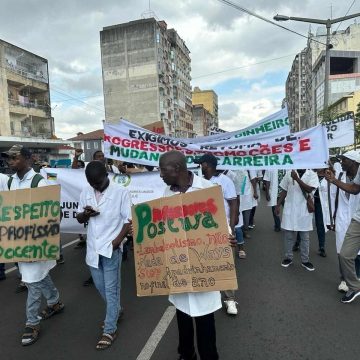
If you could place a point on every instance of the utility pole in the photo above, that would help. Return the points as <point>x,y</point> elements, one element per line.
<point>328,23</point>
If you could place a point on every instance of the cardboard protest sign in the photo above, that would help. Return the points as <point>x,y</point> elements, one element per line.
<point>30,224</point>
<point>181,244</point>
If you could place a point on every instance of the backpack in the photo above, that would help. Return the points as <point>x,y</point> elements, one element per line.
<point>34,182</point>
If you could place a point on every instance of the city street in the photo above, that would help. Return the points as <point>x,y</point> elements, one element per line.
<point>283,313</point>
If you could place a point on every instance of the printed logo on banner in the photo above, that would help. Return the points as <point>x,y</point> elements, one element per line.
<point>122,179</point>
<point>51,176</point>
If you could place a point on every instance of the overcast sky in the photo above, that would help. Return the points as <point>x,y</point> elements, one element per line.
<point>66,32</point>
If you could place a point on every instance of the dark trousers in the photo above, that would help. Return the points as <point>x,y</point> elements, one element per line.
<point>319,222</point>
<point>205,334</point>
<point>277,221</point>
<point>252,215</point>
<point>2,270</point>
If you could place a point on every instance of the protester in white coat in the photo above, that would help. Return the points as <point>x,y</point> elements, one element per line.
<point>344,206</point>
<point>297,185</point>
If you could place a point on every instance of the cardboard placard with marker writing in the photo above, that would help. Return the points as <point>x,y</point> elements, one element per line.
<point>30,224</point>
<point>181,244</point>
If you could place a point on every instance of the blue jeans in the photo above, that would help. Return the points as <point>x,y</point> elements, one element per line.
<point>239,235</point>
<point>44,287</point>
<point>107,281</point>
<point>319,221</point>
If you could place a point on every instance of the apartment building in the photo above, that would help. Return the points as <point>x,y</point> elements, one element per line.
<point>146,75</point>
<point>24,94</point>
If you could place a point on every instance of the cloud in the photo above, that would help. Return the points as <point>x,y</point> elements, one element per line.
<point>219,37</point>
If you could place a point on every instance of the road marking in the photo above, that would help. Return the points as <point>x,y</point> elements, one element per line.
<point>157,334</point>
<point>64,246</point>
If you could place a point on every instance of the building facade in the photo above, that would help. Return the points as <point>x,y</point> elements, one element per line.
<point>89,143</point>
<point>146,75</point>
<point>305,83</point>
<point>209,99</point>
<point>203,121</point>
<point>24,94</point>
<point>347,103</point>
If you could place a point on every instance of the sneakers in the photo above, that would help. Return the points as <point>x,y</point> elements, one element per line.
<point>242,254</point>
<point>286,263</point>
<point>308,266</point>
<point>231,307</point>
<point>251,226</point>
<point>322,252</point>
<point>343,287</point>
<point>350,296</point>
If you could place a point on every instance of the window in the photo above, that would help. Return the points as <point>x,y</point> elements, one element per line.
<point>96,145</point>
<point>88,145</point>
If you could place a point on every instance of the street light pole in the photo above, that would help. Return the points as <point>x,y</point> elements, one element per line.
<point>328,46</point>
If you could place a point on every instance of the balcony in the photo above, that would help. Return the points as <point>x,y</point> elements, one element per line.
<point>33,127</point>
<point>21,77</point>
<point>29,108</point>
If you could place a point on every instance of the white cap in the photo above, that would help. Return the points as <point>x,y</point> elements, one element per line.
<point>352,155</point>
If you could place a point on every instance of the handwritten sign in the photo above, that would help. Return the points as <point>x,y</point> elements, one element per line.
<point>30,224</point>
<point>181,244</point>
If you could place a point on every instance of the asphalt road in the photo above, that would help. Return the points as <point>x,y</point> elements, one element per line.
<point>283,313</point>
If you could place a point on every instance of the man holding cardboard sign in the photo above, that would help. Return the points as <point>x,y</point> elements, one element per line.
<point>182,249</point>
<point>35,274</point>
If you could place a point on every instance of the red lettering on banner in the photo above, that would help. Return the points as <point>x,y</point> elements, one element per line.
<point>171,213</point>
<point>107,138</point>
<point>288,148</point>
<point>304,145</point>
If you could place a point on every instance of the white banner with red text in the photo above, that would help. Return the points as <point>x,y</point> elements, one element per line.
<point>304,150</point>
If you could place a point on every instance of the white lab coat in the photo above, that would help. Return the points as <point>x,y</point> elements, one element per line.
<point>272,177</point>
<point>323,193</point>
<point>296,216</point>
<point>345,211</point>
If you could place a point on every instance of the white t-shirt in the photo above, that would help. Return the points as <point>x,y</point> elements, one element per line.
<point>31,271</point>
<point>115,210</point>
<point>200,303</point>
<point>296,216</point>
<point>228,189</point>
<point>246,192</point>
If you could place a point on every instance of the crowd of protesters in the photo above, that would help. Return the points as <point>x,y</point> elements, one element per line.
<point>297,198</point>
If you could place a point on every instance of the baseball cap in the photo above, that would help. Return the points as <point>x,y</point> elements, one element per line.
<point>17,150</point>
<point>352,155</point>
<point>208,158</point>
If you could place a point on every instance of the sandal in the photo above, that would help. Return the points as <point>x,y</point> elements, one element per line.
<point>50,311</point>
<point>242,254</point>
<point>105,341</point>
<point>30,335</point>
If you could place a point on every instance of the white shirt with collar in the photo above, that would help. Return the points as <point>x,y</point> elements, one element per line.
<point>201,303</point>
<point>4,182</point>
<point>36,271</point>
<point>115,210</point>
<point>296,216</point>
